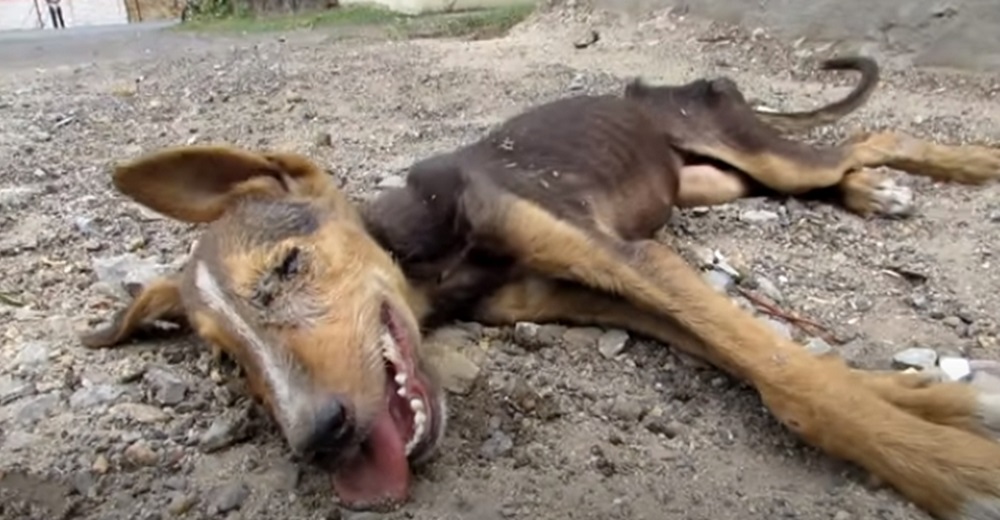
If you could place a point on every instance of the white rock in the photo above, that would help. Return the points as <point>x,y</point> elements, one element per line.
<point>956,368</point>
<point>919,358</point>
<point>612,342</point>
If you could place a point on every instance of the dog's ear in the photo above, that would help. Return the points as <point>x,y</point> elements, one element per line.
<point>160,300</point>
<point>636,88</point>
<point>198,183</point>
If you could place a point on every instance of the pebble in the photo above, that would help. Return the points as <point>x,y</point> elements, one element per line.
<point>225,430</point>
<point>12,389</point>
<point>818,346</point>
<point>718,280</point>
<point>34,409</point>
<point>842,515</point>
<point>228,497</point>
<point>142,413</point>
<point>581,337</point>
<point>458,372</point>
<point>16,196</point>
<point>578,82</point>
<point>986,382</point>
<point>32,354</point>
<point>780,327</point>
<point>168,388</point>
<point>118,272</point>
<point>392,181</point>
<point>141,454</point>
<point>625,409</point>
<point>499,444</point>
<point>915,357</point>
<point>526,334</point>
<point>769,289</point>
<point>612,342</point>
<point>181,503</point>
<point>100,465</point>
<point>956,368</point>
<point>758,216</point>
<point>95,395</point>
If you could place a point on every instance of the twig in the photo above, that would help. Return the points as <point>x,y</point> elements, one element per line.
<point>773,310</point>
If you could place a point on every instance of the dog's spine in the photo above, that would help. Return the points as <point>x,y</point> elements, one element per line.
<point>801,122</point>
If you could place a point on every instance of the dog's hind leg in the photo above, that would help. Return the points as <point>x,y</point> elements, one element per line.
<point>952,473</point>
<point>541,299</point>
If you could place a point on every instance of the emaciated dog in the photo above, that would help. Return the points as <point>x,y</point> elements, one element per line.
<point>548,218</point>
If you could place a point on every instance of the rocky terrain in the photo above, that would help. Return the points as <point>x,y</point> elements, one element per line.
<point>560,423</point>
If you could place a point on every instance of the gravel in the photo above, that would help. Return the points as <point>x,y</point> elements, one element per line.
<point>547,421</point>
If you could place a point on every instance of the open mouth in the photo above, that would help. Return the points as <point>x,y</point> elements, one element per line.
<point>404,431</point>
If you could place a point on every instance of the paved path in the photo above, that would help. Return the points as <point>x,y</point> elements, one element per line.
<point>78,45</point>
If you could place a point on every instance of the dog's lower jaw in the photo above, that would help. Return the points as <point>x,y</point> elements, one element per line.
<point>404,431</point>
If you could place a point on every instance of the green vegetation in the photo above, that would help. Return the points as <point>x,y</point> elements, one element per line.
<point>222,16</point>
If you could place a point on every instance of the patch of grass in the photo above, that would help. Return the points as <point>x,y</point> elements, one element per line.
<point>476,24</point>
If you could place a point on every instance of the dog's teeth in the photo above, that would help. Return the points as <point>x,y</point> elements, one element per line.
<point>401,392</point>
<point>400,379</point>
<point>417,405</point>
<point>420,419</point>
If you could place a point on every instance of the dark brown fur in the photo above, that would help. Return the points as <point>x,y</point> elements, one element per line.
<point>548,218</point>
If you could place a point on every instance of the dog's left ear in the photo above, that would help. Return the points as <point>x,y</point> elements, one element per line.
<point>199,183</point>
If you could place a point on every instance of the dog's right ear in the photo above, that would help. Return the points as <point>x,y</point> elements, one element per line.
<point>160,300</point>
<point>198,183</point>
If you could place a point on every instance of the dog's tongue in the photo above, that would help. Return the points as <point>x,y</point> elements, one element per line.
<point>380,474</point>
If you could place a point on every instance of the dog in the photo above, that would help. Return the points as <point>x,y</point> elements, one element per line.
<point>550,217</point>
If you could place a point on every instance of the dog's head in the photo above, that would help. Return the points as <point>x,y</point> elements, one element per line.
<point>287,282</point>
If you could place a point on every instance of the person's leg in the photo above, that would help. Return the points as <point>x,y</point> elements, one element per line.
<point>62,22</point>
<point>52,13</point>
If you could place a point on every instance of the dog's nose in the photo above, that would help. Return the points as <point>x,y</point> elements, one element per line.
<point>331,430</point>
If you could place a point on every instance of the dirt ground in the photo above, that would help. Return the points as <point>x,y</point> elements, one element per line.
<point>552,428</point>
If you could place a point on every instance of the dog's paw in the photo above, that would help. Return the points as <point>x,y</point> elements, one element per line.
<point>891,200</point>
<point>868,193</point>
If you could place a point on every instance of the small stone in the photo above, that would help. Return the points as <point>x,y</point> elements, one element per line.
<point>526,334</point>
<point>818,347</point>
<point>12,389</point>
<point>499,444</point>
<point>168,388</point>
<point>228,497</point>
<point>578,82</point>
<point>226,430</point>
<point>121,271</point>
<point>18,195</point>
<point>34,409</point>
<point>581,337</point>
<point>549,334</point>
<point>718,280</point>
<point>18,440</point>
<point>663,426</point>
<point>769,289</point>
<point>956,368</point>
<point>758,216</point>
<point>952,321</point>
<point>586,40</point>
<point>95,395</point>
<point>458,372</point>
<point>392,181</point>
<point>324,139</point>
<point>140,454</point>
<point>842,515</point>
<point>780,327</point>
<point>181,503</point>
<point>142,413</point>
<point>626,410</point>
<point>918,358</point>
<point>612,343</point>
<point>100,465</point>
<point>32,354</point>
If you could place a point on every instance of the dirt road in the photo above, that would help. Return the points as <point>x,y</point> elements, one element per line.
<point>557,431</point>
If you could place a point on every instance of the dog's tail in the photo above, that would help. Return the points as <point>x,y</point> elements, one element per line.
<point>800,122</point>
